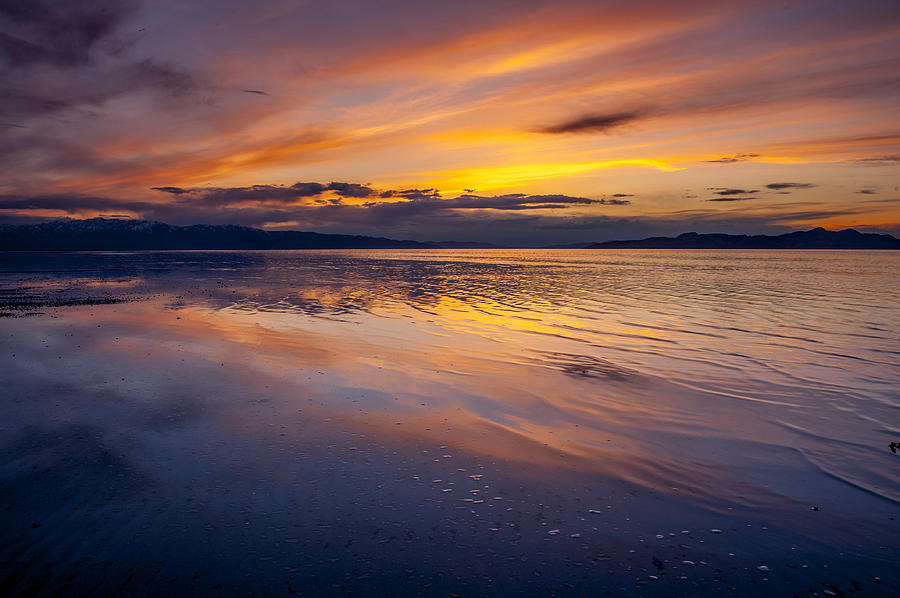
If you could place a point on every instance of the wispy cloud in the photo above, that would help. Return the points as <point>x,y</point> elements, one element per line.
<point>734,158</point>
<point>726,192</point>
<point>879,160</point>
<point>783,186</point>
<point>593,123</point>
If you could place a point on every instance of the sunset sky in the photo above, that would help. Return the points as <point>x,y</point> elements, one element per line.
<point>525,122</point>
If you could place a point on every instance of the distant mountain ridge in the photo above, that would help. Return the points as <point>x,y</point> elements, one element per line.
<point>817,238</point>
<point>111,234</point>
<point>99,234</point>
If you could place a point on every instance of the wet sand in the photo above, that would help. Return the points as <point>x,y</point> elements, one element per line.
<point>137,461</point>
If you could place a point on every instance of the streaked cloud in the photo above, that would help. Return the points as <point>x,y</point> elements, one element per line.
<point>420,102</point>
<point>783,186</point>
<point>879,160</point>
<point>593,123</point>
<point>727,192</point>
<point>734,158</point>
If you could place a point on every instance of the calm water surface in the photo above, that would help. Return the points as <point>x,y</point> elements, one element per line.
<point>731,389</point>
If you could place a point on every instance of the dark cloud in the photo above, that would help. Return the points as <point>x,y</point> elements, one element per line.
<point>726,192</point>
<point>17,51</point>
<point>733,159</point>
<point>503,220</point>
<point>419,202</point>
<point>66,57</point>
<point>305,189</point>
<point>71,203</point>
<point>64,34</point>
<point>350,189</point>
<point>26,105</point>
<point>264,204</point>
<point>623,194</point>
<point>614,202</point>
<point>265,193</point>
<point>514,201</point>
<point>411,193</point>
<point>878,160</point>
<point>866,191</point>
<point>64,67</point>
<point>593,123</point>
<point>172,190</point>
<point>165,77</point>
<point>782,186</point>
<point>893,200</point>
<point>256,91</point>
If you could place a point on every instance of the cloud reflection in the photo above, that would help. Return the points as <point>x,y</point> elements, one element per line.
<point>523,355</point>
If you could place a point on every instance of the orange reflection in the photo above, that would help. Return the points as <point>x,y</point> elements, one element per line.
<point>450,378</point>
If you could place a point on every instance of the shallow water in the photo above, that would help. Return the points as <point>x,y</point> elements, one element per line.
<point>751,393</point>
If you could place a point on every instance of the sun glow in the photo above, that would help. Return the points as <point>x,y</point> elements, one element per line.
<point>503,177</point>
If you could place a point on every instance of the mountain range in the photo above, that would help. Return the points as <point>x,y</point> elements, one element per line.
<point>817,238</point>
<point>109,234</point>
<point>98,234</point>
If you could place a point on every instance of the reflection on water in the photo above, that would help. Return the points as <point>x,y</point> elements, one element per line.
<point>761,380</point>
<point>662,350</point>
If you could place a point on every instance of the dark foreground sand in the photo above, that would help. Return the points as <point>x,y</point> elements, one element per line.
<point>136,461</point>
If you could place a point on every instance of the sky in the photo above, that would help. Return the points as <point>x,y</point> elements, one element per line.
<point>515,122</point>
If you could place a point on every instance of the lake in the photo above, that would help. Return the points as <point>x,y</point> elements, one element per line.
<point>450,422</point>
